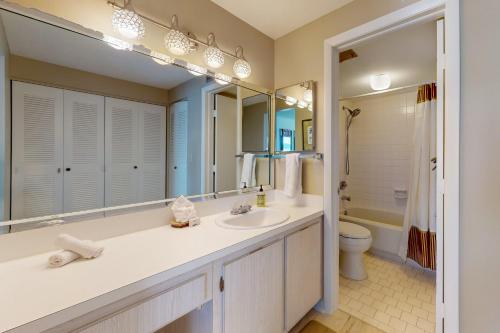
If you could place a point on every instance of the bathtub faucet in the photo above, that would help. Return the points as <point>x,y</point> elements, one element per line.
<point>345,198</point>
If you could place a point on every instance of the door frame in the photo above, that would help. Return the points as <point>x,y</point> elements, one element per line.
<point>449,264</point>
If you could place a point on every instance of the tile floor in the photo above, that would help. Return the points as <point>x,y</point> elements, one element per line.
<point>340,322</point>
<point>395,298</point>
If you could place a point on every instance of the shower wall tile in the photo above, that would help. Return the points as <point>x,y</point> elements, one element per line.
<point>380,150</point>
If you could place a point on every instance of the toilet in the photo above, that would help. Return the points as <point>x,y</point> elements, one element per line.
<point>354,240</point>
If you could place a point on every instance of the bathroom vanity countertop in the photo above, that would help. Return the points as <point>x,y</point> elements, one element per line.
<point>30,291</point>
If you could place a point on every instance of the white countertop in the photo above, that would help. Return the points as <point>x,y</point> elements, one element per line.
<point>30,291</point>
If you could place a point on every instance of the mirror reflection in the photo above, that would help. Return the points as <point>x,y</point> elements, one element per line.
<point>96,126</point>
<point>294,120</point>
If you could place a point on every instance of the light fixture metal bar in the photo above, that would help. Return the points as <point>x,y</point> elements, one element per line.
<point>164,26</point>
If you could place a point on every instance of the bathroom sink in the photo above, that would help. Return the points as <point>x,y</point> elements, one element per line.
<point>256,218</point>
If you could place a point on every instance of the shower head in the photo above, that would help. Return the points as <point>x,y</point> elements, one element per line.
<point>353,113</point>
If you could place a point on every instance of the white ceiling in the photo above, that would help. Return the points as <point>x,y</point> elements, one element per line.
<point>40,41</point>
<point>407,55</point>
<point>276,18</point>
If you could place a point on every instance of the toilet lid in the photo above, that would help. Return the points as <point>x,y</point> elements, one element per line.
<point>351,230</point>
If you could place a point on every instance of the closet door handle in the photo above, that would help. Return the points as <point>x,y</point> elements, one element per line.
<point>68,169</point>
<point>58,170</point>
<point>135,166</point>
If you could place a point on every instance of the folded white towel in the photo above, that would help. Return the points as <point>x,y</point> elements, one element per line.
<point>184,211</point>
<point>293,175</point>
<point>86,249</point>
<point>248,171</point>
<point>62,258</point>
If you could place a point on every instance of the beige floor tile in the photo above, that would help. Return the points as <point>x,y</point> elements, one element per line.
<point>409,318</point>
<point>420,312</point>
<point>425,325</point>
<point>413,329</point>
<point>397,324</point>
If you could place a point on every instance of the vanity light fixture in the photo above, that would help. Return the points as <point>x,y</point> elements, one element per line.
<point>302,104</point>
<point>308,95</point>
<point>196,70</point>
<point>161,58</point>
<point>222,79</point>
<point>117,44</point>
<point>213,55</point>
<point>241,67</point>
<point>380,82</point>
<point>289,100</point>
<point>127,22</point>
<point>176,41</point>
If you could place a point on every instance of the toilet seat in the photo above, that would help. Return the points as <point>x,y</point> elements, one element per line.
<point>354,231</point>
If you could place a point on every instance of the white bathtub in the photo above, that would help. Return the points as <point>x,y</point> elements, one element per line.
<point>386,228</point>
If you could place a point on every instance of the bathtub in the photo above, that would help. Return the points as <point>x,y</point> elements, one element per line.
<point>386,228</point>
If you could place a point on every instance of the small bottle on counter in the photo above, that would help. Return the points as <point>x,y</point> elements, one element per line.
<point>261,197</point>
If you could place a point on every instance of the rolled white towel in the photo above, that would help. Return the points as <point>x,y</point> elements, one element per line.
<point>84,248</point>
<point>62,258</point>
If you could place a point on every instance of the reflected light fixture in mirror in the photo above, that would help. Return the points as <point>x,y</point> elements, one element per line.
<point>241,67</point>
<point>222,79</point>
<point>308,96</point>
<point>176,41</point>
<point>302,104</point>
<point>161,58</point>
<point>310,107</point>
<point>289,100</point>
<point>213,55</point>
<point>117,44</point>
<point>380,82</point>
<point>127,22</point>
<point>196,70</point>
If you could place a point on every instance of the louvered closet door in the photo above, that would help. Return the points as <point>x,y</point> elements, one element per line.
<point>121,152</point>
<point>152,122</point>
<point>37,151</point>
<point>83,151</point>
<point>177,149</point>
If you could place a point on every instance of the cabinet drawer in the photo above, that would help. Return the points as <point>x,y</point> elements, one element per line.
<point>157,311</point>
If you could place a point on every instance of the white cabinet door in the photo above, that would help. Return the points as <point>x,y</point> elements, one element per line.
<point>37,151</point>
<point>253,292</point>
<point>152,119</point>
<point>83,151</point>
<point>303,273</point>
<point>122,152</point>
<point>178,149</point>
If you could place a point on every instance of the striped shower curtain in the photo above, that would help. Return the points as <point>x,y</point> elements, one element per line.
<point>420,216</point>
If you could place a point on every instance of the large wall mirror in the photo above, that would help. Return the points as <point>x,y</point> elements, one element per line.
<point>88,124</point>
<point>295,118</point>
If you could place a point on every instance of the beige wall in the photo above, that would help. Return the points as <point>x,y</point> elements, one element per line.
<point>197,16</point>
<point>299,57</point>
<point>35,71</point>
<point>479,167</point>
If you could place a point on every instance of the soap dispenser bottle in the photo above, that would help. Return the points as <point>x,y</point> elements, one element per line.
<point>261,197</point>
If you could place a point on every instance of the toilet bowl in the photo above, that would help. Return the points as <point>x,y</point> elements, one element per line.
<point>354,240</point>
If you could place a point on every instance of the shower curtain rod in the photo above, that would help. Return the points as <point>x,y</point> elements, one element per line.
<point>383,91</point>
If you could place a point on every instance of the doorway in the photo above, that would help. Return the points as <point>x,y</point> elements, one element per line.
<point>448,164</point>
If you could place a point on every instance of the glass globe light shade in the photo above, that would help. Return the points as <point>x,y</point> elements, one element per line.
<point>308,96</point>
<point>242,68</point>
<point>128,23</point>
<point>213,57</point>
<point>177,42</point>
<point>222,79</point>
<point>161,58</point>
<point>196,70</point>
<point>289,100</point>
<point>380,82</point>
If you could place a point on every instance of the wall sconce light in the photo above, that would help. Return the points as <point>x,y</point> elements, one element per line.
<point>196,70</point>
<point>222,79</point>
<point>127,22</point>
<point>161,58</point>
<point>241,67</point>
<point>213,55</point>
<point>176,41</point>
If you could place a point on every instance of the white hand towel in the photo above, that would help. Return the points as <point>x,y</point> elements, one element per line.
<point>184,211</point>
<point>248,171</point>
<point>62,258</point>
<point>293,175</point>
<point>86,249</point>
